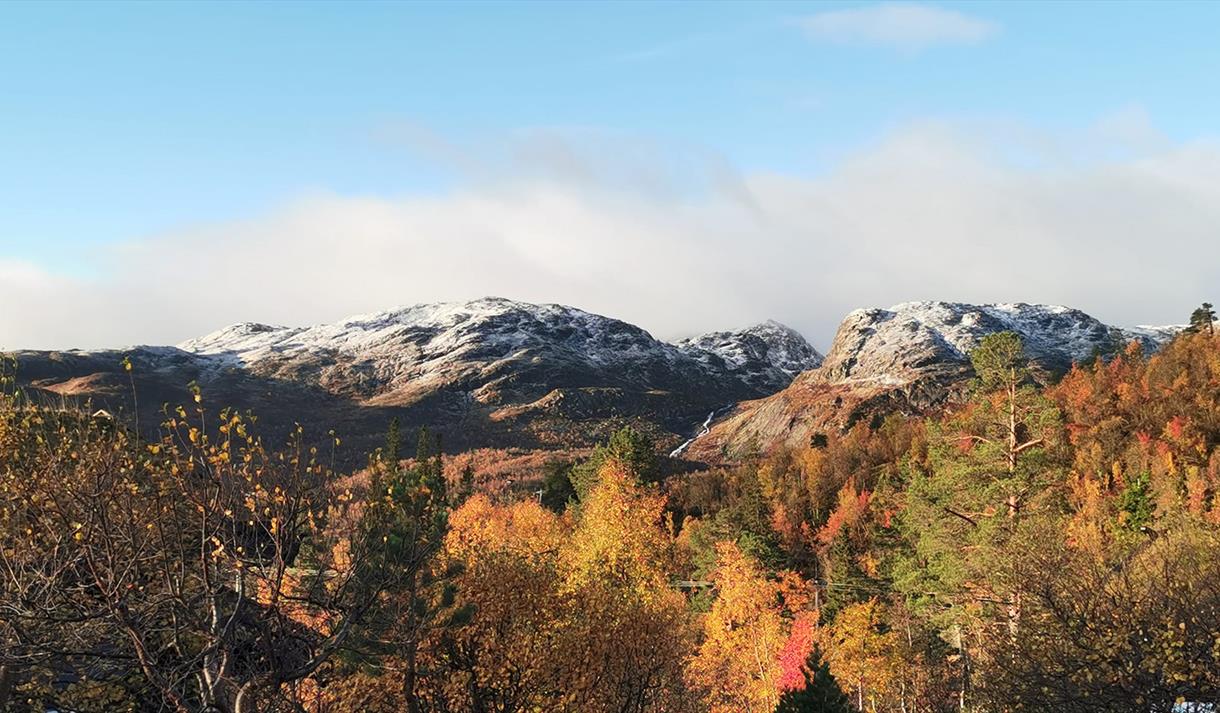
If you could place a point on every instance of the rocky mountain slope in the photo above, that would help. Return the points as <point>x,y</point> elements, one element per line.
<point>909,358</point>
<point>767,356</point>
<point>498,373</point>
<point>486,372</point>
<point>499,351</point>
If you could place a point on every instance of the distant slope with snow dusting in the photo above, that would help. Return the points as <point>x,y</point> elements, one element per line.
<point>911,357</point>
<point>489,372</point>
<point>505,351</point>
<point>501,373</point>
<point>767,355</point>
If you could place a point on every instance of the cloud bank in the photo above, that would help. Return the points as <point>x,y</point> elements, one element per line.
<point>1116,221</point>
<point>905,26</point>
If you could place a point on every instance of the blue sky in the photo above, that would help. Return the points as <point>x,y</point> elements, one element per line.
<point>123,123</point>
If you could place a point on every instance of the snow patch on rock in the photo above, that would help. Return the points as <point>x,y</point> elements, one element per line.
<point>490,339</point>
<point>769,354</point>
<point>916,338</point>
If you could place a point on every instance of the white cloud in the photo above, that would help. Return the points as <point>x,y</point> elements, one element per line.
<point>906,26</point>
<point>679,242</point>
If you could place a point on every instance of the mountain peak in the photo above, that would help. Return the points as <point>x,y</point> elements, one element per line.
<point>911,336</point>
<point>505,351</point>
<point>768,354</point>
<point>910,357</point>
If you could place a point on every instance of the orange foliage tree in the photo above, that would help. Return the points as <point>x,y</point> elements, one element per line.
<point>738,663</point>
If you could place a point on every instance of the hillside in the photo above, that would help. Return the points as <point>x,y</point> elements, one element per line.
<point>487,373</point>
<point>505,374</point>
<point>910,358</point>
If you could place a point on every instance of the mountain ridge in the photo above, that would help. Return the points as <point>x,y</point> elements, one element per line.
<point>450,341</point>
<point>495,371</point>
<point>908,358</point>
<point>500,372</point>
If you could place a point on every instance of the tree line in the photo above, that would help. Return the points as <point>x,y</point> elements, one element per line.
<point>1046,544</point>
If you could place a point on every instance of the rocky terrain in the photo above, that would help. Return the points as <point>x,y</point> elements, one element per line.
<point>500,352</point>
<point>767,356</point>
<point>490,372</point>
<point>909,358</point>
<point>497,373</point>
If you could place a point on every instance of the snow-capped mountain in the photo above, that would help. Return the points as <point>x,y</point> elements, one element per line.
<point>498,372</point>
<point>1152,336</point>
<point>767,355</point>
<point>503,351</point>
<point>904,341</point>
<point>487,372</point>
<point>911,357</point>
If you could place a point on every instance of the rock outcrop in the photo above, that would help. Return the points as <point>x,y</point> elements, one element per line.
<point>910,358</point>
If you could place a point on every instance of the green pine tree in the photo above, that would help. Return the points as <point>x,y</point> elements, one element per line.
<point>635,451</point>
<point>557,489</point>
<point>390,453</point>
<point>980,489</point>
<point>1135,503</point>
<point>1203,319</point>
<point>821,693</point>
<point>465,485</point>
<point>405,522</point>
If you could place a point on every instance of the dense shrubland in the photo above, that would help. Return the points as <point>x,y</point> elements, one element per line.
<point>1037,547</point>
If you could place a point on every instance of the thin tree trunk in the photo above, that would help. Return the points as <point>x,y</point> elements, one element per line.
<point>142,658</point>
<point>1012,422</point>
<point>408,682</point>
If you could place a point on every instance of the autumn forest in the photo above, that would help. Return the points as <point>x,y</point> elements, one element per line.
<point>1046,543</point>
